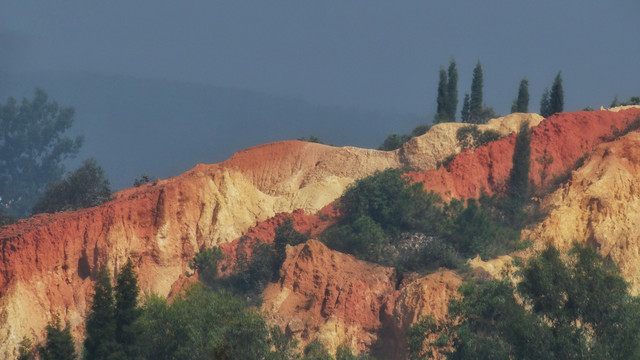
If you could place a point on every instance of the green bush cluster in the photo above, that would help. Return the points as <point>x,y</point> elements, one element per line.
<point>470,137</point>
<point>390,221</point>
<point>85,187</point>
<point>573,306</point>
<point>256,263</point>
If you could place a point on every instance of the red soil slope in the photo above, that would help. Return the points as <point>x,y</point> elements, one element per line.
<point>566,137</point>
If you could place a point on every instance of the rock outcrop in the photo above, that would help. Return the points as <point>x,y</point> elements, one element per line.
<point>425,152</point>
<point>333,297</point>
<point>600,205</point>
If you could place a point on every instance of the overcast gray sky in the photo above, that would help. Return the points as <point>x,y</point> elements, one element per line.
<point>369,54</point>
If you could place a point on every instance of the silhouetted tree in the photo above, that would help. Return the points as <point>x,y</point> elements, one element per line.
<point>100,341</point>
<point>32,149</point>
<point>127,310</point>
<point>466,112</point>
<point>59,344</point>
<point>452,91</point>
<point>441,101</point>
<point>556,98</point>
<point>475,104</point>
<point>521,103</point>
<point>87,186</point>
<point>545,105</point>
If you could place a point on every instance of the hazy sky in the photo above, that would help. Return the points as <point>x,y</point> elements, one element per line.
<point>369,54</point>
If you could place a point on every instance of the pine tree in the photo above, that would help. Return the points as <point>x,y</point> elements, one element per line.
<point>441,111</point>
<point>452,91</point>
<point>545,107</point>
<point>475,105</point>
<point>100,340</point>
<point>521,103</point>
<point>127,310</point>
<point>556,98</point>
<point>465,113</point>
<point>59,344</point>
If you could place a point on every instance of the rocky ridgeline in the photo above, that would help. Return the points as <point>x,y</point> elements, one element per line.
<point>48,261</point>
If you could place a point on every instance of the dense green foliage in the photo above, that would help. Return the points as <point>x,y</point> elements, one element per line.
<point>202,324</point>
<point>127,310</point>
<point>59,343</point>
<point>32,149</point>
<point>563,307</point>
<point>111,332</point>
<point>521,103</point>
<point>390,221</point>
<point>85,187</point>
<point>256,263</point>
<point>206,263</point>
<point>100,340</point>
<point>470,137</point>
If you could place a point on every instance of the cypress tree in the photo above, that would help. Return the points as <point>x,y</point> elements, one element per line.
<point>518,183</point>
<point>100,340</point>
<point>545,107</point>
<point>441,111</point>
<point>59,344</point>
<point>465,113</point>
<point>452,91</point>
<point>127,310</point>
<point>521,103</point>
<point>475,104</point>
<point>556,98</point>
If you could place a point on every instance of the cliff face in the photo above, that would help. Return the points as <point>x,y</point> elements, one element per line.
<point>600,205</point>
<point>565,137</point>
<point>48,261</point>
<point>333,297</point>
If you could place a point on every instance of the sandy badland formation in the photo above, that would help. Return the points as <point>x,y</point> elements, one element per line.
<point>48,260</point>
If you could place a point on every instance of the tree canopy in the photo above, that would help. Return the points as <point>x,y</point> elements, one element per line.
<point>564,306</point>
<point>33,147</point>
<point>475,101</point>
<point>521,103</point>
<point>86,186</point>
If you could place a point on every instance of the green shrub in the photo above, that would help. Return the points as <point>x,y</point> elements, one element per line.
<point>574,308</point>
<point>85,187</point>
<point>206,264</point>
<point>143,179</point>
<point>470,137</point>
<point>202,324</point>
<point>394,141</point>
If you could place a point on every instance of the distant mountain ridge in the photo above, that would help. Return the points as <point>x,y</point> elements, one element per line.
<point>161,127</point>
